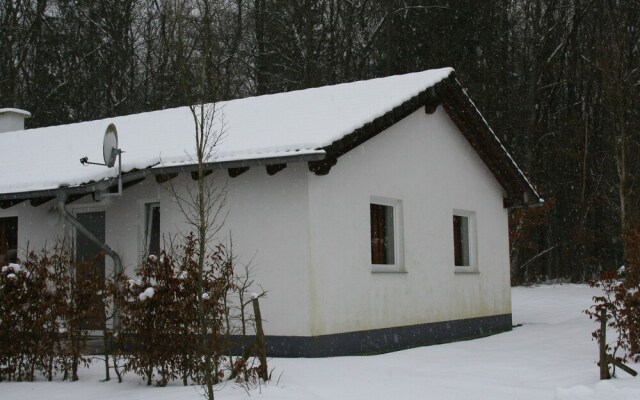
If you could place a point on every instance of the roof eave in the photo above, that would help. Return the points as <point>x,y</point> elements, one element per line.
<point>9,199</point>
<point>428,98</point>
<point>461,109</point>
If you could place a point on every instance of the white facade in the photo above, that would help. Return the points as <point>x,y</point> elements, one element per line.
<point>425,163</point>
<point>308,236</point>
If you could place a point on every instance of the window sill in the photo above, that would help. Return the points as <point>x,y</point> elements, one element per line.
<point>386,269</point>
<point>466,272</point>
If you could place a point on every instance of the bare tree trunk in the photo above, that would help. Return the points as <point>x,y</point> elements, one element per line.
<point>202,239</point>
<point>615,44</point>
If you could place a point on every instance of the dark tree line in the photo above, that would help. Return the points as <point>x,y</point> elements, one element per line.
<point>559,80</point>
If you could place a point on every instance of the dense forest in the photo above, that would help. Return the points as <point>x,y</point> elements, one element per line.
<point>558,80</point>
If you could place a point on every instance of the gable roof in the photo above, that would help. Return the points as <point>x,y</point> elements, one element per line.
<point>315,125</point>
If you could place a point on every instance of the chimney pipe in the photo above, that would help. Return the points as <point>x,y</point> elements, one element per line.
<point>12,119</point>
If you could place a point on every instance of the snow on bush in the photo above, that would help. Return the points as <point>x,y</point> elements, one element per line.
<point>43,299</point>
<point>147,294</point>
<point>162,324</point>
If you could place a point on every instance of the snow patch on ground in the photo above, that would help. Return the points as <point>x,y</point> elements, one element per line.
<point>551,356</point>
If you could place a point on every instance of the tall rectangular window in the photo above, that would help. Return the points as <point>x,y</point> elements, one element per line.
<point>382,235</point>
<point>152,228</point>
<point>386,235</point>
<point>465,257</point>
<point>8,236</point>
<point>461,240</point>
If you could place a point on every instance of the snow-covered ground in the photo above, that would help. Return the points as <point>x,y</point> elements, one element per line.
<point>551,356</point>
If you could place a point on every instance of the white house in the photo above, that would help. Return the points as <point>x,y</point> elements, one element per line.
<point>376,212</point>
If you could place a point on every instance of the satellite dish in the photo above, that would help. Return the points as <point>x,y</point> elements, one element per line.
<point>110,145</point>
<point>110,153</point>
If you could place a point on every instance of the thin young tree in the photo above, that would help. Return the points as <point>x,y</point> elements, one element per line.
<point>202,203</point>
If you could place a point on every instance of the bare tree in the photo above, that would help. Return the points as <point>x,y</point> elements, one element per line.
<point>202,203</point>
<point>617,62</point>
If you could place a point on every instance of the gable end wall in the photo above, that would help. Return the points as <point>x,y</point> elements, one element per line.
<point>425,162</point>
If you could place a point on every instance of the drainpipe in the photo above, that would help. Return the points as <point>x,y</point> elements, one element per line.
<point>117,263</point>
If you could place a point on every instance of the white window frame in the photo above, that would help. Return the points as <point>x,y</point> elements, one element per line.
<point>398,237</point>
<point>471,239</point>
<point>143,225</point>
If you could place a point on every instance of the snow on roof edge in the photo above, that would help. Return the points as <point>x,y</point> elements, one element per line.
<point>221,104</point>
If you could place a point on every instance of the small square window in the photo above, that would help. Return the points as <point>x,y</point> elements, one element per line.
<point>464,250</point>
<point>386,235</point>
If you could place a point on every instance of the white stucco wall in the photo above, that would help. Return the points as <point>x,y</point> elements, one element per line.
<point>267,219</point>
<point>428,165</point>
<point>267,216</point>
<point>39,226</point>
<point>34,232</point>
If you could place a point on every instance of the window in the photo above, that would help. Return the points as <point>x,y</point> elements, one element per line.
<point>386,233</point>
<point>382,243</point>
<point>152,228</point>
<point>8,236</point>
<point>461,240</point>
<point>464,241</point>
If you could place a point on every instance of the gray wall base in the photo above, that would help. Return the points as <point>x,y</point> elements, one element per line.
<point>387,339</point>
<point>368,342</point>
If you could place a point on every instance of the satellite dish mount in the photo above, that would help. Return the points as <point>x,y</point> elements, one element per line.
<point>110,152</point>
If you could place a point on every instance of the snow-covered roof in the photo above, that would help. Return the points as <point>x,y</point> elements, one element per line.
<point>298,123</point>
